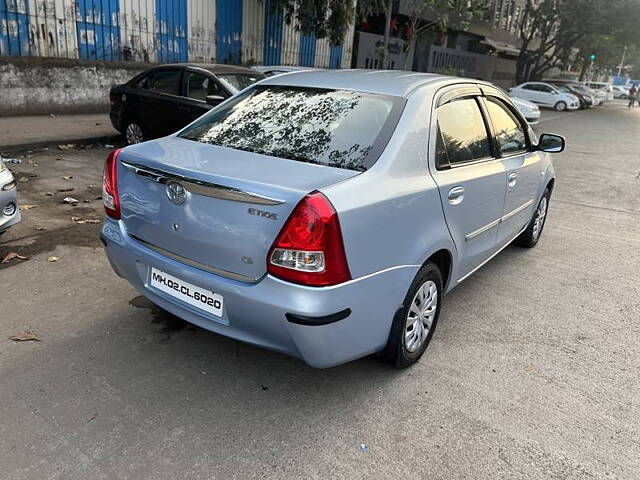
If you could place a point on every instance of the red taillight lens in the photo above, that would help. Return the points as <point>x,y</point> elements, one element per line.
<point>309,249</point>
<point>110,186</point>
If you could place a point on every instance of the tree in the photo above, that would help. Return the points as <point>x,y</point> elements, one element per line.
<point>551,31</point>
<point>323,18</point>
<point>439,15</point>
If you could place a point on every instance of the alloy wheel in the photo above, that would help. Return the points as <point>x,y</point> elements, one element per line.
<point>422,313</point>
<point>538,221</point>
<point>133,133</point>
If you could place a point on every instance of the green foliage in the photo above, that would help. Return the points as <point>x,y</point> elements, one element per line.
<point>323,18</point>
<point>552,31</point>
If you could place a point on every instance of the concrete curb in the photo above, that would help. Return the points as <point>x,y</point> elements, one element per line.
<point>116,140</point>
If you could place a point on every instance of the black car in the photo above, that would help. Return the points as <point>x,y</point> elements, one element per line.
<point>585,100</point>
<point>164,99</point>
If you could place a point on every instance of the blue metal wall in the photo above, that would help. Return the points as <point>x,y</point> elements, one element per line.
<point>228,31</point>
<point>98,29</point>
<point>335,56</point>
<point>307,50</point>
<point>160,31</point>
<point>14,27</point>
<point>273,23</point>
<point>171,31</point>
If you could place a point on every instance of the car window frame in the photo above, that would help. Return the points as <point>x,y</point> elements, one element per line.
<point>521,120</point>
<point>165,69</point>
<point>183,84</point>
<point>460,91</point>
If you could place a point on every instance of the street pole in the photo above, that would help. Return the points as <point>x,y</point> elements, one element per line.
<point>387,31</point>
<point>621,66</point>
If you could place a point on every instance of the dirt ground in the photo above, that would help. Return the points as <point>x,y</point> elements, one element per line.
<point>45,178</point>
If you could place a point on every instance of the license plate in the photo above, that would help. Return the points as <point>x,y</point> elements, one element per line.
<point>187,292</point>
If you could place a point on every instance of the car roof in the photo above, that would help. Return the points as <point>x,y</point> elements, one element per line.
<point>211,67</point>
<point>387,82</point>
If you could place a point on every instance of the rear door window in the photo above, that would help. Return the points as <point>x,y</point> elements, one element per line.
<point>464,133</point>
<point>337,128</point>
<point>166,81</point>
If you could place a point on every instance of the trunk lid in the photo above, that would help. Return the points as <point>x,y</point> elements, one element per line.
<point>234,206</point>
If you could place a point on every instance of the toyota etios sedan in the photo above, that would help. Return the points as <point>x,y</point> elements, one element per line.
<point>325,214</point>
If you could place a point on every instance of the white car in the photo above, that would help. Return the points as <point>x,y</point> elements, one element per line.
<point>605,88</point>
<point>529,110</point>
<point>546,95</point>
<point>620,91</point>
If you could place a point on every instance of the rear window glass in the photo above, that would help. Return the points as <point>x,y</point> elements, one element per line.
<point>337,128</point>
<point>239,81</point>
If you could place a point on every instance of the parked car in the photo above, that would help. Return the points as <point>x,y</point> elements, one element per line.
<point>10,213</point>
<point>605,88</point>
<point>620,91</point>
<point>598,96</point>
<point>164,99</point>
<point>546,95</point>
<point>529,110</point>
<point>585,97</point>
<point>272,70</point>
<point>325,214</point>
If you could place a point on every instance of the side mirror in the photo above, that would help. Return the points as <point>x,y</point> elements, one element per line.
<point>551,143</point>
<point>214,99</point>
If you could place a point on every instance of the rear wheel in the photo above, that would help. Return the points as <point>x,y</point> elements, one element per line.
<point>415,323</point>
<point>133,133</point>
<point>560,106</point>
<point>529,238</point>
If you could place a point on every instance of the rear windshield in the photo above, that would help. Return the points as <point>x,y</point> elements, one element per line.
<point>338,128</point>
<point>239,81</point>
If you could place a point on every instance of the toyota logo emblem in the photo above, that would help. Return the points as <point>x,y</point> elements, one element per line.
<point>176,193</point>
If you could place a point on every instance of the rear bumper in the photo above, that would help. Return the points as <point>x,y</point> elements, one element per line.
<point>8,197</point>
<point>116,121</point>
<point>257,313</point>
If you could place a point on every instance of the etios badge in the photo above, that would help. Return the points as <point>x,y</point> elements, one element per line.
<point>176,193</point>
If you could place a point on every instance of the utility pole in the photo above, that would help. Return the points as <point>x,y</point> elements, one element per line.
<point>387,31</point>
<point>621,66</point>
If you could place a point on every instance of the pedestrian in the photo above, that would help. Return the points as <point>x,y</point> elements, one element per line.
<point>633,93</point>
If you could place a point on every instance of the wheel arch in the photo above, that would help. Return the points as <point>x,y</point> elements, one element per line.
<point>444,261</point>
<point>550,185</point>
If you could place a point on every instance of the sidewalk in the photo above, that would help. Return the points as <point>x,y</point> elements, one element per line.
<point>19,133</point>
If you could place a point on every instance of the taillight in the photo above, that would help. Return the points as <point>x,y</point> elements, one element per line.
<point>309,249</point>
<point>110,186</point>
<point>111,100</point>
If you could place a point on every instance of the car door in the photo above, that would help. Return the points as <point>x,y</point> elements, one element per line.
<point>548,95</point>
<point>196,87</point>
<point>471,181</point>
<point>529,91</point>
<point>523,166</point>
<point>161,109</point>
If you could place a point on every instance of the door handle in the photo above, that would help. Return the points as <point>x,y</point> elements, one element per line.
<point>456,195</point>
<point>512,179</point>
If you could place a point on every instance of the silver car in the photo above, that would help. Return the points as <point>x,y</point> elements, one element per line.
<point>9,212</point>
<point>325,214</point>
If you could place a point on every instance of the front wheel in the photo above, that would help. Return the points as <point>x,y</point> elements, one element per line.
<point>560,107</point>
<point>529,238</point>
<point>415,322</point>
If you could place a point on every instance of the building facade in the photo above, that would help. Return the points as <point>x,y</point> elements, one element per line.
<point>163,31</point>
<point>487,49</point>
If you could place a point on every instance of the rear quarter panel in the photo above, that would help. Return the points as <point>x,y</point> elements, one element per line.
<point>391,215</point>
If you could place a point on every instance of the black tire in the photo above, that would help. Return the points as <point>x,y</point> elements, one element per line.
<point>529,238</point>
<point>560,106</point>
<point>129,136</point>
<point>395,352</point>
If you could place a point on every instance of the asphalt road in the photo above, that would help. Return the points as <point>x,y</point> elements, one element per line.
<point>533,372</point>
